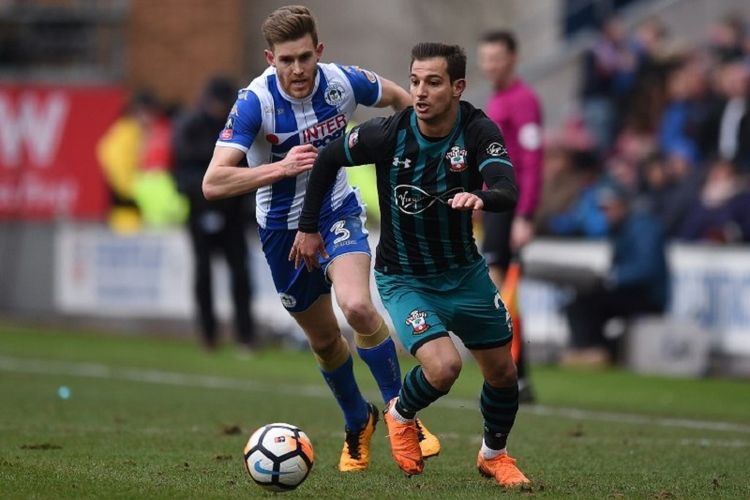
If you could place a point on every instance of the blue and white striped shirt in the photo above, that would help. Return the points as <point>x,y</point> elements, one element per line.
<point>266,123</point>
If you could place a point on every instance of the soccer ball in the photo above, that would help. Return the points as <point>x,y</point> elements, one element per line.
<point>279,456</point>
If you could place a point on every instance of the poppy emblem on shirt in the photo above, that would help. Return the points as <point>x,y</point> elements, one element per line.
<point>457,158</point>
<point>418,321</point>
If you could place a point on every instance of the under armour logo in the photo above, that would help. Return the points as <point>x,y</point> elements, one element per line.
<point>398,161</point>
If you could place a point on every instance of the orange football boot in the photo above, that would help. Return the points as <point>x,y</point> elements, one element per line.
<point>356,453</point>
<point>503,469</point>
<point>428,442</point>
<point>404,438</point>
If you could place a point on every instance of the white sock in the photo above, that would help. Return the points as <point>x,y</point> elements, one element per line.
<point>398,417</point>
<point>489,453</point>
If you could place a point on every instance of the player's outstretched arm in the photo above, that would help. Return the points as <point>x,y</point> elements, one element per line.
<point>322,177</point>
<point>224,178</point>
<point>393,95</point>
<point>308,244</point>
<point>502,193</point>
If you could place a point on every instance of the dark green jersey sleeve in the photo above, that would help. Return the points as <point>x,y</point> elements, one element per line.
<point>361,145</point>
<point>492,160</point>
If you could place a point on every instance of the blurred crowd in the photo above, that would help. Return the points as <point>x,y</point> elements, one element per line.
<point>666,120</point>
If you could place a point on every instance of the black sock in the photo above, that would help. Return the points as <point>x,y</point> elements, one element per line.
<point>416,393</point>
<point>499,407</point>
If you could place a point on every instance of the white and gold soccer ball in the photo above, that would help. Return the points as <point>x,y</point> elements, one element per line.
<point>279,456</point>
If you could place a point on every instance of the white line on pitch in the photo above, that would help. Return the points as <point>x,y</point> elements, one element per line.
<point>96,370</point>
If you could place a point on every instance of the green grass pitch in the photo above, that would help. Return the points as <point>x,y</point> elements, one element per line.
<point>159,418</point>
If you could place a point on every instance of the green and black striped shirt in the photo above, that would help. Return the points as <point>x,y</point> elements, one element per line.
<point>416,176</point>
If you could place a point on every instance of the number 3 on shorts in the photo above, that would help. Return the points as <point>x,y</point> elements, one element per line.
<point>342,233</point>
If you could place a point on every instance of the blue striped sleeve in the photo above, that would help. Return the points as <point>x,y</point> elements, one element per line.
<point>243,122</point>
<point>365,83</point>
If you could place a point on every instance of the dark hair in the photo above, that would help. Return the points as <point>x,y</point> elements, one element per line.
<point>288,23</point>
<point>504,37</point>
<point>454,55</point>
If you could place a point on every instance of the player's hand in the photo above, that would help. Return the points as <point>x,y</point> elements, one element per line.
<point>466,201</point>
<point>299,159</point>
<point>521,232</point>
<point>307,247</point>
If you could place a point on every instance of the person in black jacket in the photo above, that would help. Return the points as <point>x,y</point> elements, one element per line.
<point>213,225</point>
<point>725,134</point>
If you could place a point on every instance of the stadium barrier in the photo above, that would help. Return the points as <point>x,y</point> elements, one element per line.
<point>98,274</point>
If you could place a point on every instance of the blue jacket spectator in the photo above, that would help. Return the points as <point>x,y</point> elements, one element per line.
<point>639,259</point>
<point>584,218</point>
<point>637,282</point>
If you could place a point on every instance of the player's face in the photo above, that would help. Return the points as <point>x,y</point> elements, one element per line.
<point>296,63</point>
<point>496,62</point>
<point>432,93</point>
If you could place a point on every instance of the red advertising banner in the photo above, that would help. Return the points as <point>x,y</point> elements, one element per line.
<point>48,137</point>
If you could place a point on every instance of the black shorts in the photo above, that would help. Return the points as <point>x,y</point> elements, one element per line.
<point>496,244</point>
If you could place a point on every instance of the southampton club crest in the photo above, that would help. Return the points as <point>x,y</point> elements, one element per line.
<point>334,93</point>
<point>457,158</point>
<point>418,321</point>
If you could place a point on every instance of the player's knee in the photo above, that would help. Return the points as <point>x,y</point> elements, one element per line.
<point>503,374</point>
<point>325,345</point>
<point>442,373</point>
<point>359,313</point>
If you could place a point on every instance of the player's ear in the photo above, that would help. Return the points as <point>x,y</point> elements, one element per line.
<point>269,57</point>
<point>458,87</point>
<point>319,51</point>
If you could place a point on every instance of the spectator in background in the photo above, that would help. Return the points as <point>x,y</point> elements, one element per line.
<point>213,225</point>
<point>726,37</point>
<point>120,155</point>
<point>584,216</point>
<point>726,131</point>
<point>640,81</point>
<point>669,187</point>
<point>637,281</point>
<point>516,110</point>
<point>677,119</point>
<point>135,154</point>
<point>561,184</point>
<point>155,190</point>
<point>722,214</point>
<point>602,65</point>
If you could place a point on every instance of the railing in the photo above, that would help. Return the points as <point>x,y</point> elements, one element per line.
<point>64,40</point>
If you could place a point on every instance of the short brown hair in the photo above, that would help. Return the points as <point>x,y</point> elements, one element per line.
<point>454,56</point>
<point>288,23</point>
